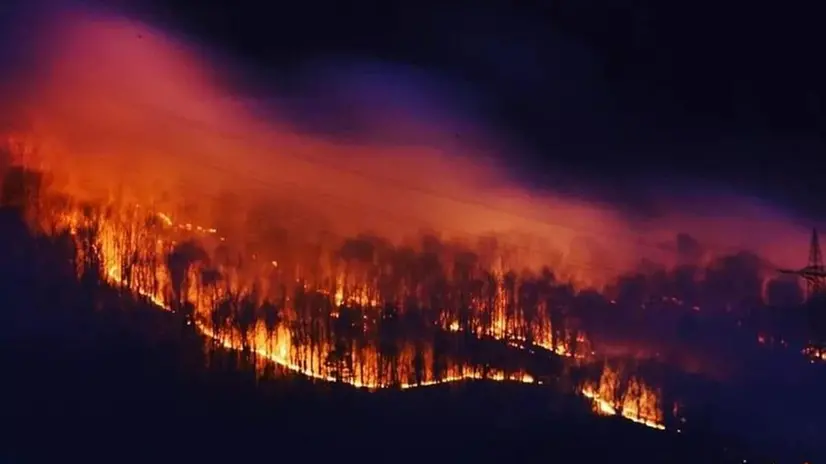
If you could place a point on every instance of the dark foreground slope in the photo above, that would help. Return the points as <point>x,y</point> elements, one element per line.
<point>90,374</point>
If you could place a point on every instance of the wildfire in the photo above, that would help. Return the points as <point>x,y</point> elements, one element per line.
<point>815,353</point>
<point>637,402</point>
<point>330,329</point>
<point>131,258</point>
<point>564,343</point>
<point>633,399</point>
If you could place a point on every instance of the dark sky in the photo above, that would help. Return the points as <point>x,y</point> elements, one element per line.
<point>620,92</point>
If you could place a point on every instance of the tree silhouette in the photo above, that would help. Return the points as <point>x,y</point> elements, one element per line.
<point>270,314</point>
<point>179,262</point>
<point>389,338</point>
<point>243,319</point>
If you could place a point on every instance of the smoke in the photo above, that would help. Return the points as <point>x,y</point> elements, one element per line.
<point>119,107</point>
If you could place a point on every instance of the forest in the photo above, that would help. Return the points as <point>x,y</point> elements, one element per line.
<point>368,313</point>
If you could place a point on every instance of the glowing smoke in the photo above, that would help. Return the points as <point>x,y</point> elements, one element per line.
<point>121,105</point>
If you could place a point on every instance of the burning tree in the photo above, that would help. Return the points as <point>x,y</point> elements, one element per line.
<point>625,395</point>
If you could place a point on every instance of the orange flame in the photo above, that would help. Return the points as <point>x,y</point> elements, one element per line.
<point>634,401</point>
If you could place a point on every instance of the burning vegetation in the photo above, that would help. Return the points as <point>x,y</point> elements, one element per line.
<point>354,310</point>
<point>815,353</point>
<point>628,397</point>
<point>277,286</point>
<point>342,318</point>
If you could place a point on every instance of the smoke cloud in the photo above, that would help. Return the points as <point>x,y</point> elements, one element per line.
<point>116,105</point>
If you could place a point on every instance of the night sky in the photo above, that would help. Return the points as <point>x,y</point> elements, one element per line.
<point>618,94</point>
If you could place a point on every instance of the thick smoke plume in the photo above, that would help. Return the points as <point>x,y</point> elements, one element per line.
<point>117,107</point>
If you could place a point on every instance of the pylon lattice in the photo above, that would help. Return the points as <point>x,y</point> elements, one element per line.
<point>814,272</point>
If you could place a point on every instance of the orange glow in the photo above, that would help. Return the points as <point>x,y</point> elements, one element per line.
<point>815,353</point>
<point>120,109</point>
<point>130,256</point>
<point>633,400</point>
<point>129,253</point>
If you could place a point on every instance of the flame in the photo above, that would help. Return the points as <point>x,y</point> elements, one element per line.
<point>815,353</point>
<point>634,401</point>
<point>133,248</point>
<point>540,334</point>
<point>132,258</point>
<point>638,402</point>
